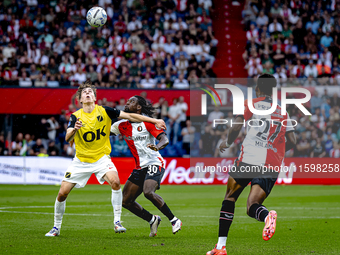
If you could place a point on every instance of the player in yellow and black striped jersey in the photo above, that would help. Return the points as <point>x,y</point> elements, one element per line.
<point>89,128</point>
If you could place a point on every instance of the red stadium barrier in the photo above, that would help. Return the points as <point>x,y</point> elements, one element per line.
<point>53,100</point>
<point>177,171</point>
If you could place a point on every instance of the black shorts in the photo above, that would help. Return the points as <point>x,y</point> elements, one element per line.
<point>265,181</point>
<point>138,176</point>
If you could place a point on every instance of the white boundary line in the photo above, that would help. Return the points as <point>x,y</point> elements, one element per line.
<point>4,210</point>
<point>189,216</point>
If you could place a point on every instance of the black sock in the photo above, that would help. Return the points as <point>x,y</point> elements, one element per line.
<point>144,214</point>
<point>258,212</point>
<point>166,211</point>
<point>226,217</point>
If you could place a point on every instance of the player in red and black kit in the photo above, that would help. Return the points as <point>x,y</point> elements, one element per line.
<point>147,176</point>
<point>264,146</point>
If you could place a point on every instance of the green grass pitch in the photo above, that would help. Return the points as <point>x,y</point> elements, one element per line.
<point>308,222</point>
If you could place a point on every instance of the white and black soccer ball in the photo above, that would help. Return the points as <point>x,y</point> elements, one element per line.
<point>96,16</point>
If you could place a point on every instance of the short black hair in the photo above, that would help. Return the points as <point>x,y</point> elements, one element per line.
<point>266,83</point>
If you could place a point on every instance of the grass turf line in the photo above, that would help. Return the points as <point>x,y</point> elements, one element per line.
<point>308,222</point>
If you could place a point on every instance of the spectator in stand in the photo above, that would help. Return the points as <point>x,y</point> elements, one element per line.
<point>121,104</point>
<point>3,149</point>
<point>37,147</point>
<point>120,146</point>
<point>188,134</point>
<point>275,27</point>
<point>84,44</point>
<point>17,144</point>
<point>319,150</point>
<point>181,83</point>
<point>148,82</point>
<point>173,123</point>
<point>53,126</point>
<point>216,114</point>
<point>24,81</point>
<point>326,40</point>
<point>262,19</point>
<point>183,106</point>
<point>303,146</point>
<point>42,153</point>
<point>311,70</point>
<point>315,101</point>
<point>52,149</point>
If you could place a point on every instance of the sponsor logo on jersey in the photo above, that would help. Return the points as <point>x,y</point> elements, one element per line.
<point>135,138</point>
<point>139,128</point>
<point>91,136</point>
<point>100,118</point>
<point>67,175</point>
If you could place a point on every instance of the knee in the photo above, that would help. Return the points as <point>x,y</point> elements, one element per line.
<point>115,184</point>
<point>62,196</point>
<point>149,195</point>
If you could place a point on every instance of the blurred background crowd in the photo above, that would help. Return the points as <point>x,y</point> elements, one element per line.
<point>293,39</point>
<point>163,45</point>
<point>144,44</point>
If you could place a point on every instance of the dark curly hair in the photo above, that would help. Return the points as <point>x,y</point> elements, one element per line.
<point>147,107</point>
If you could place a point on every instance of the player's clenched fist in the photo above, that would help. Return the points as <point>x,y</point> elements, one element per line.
<point>78,124</point>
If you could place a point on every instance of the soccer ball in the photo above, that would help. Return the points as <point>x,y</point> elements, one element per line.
<point>96,17</point>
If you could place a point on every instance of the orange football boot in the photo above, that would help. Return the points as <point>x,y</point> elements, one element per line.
<point>269,228</point>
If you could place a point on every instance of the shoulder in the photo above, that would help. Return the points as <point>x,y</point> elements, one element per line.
<point>76,113</point>
<point>121,122</point>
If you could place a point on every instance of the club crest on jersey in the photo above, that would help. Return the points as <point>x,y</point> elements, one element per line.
<point>139,128</point>
<point>67,175</point>
<point>100,118</point>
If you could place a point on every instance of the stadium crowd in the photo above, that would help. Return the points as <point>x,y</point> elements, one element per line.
<point>293,39</point>
<point>144,43</point>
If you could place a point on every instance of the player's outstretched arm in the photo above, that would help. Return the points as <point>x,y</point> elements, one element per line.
<point>141,118</point>
<point>291,140</point>
<point>232,134</point>
<point>71,131</point>
<point>163,142</point>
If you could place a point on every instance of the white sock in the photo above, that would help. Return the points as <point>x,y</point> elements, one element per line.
<point>174,219</point>
<point>222,241</point>
<point>153,219</point>
<point>59,209</point>
<point>265,218</point>
<point>116,200</point>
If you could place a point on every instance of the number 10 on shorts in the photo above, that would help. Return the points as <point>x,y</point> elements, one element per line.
<point>152,170</point>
